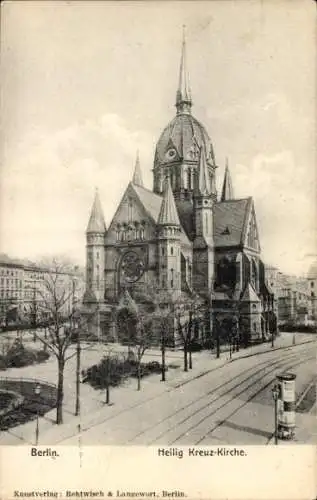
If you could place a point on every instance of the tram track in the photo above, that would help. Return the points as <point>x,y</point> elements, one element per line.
<point>94,425</point>
<point>236,410</point>
<point>192,403</point>
<point>172,388</point>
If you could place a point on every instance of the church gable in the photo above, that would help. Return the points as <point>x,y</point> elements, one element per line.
<point>131,222</point>
<point>251,233</point>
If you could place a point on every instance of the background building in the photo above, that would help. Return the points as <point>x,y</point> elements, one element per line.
<point>312,287</point>
<point>23,289</point>
<point>293,297</point>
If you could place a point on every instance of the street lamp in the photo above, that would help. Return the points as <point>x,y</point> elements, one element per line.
<point>275,394</point>
<point>37,392</point>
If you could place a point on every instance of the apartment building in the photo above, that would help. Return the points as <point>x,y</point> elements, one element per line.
<point>26,289</point>
<point>292,296</point>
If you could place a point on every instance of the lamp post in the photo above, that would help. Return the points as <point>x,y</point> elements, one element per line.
<point>190,339</point>
<point>37,392</point>
<point>275,394</point>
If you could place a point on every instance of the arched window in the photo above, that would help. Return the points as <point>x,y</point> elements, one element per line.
<point>190,273</point>
<point>189,179</point>
<point>185,179</point>
<point>226,273</point>
<point>254,273</point>
<point>130,209</point>
<point>172,250</point>
<point>172,278</point>
<point>173,180</point>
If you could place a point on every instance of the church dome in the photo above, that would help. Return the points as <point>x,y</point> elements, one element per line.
<point>182,139</point>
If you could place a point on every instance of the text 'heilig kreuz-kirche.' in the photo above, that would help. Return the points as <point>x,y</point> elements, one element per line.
<point>180,246</point>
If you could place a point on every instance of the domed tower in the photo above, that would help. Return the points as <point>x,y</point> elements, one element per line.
<point>95,264</point>
<point>178,148</point>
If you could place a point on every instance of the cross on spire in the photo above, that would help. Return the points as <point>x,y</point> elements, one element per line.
<point>183,95</point>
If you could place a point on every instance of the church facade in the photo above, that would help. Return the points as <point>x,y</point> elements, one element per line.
<point>199,253</point>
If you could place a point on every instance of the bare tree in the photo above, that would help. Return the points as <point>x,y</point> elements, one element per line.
<point>185,333</point>
<point>56,303</point>
<point>142,341</point>
<point>107,369</point>
<point>164,321</point>
<point>127,320</point>
<point>162,318</point>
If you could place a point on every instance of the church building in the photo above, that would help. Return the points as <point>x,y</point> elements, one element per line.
<point>198,252</point>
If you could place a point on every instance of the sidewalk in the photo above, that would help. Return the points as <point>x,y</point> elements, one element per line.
<point>125,397</point>
<point>305,430</point>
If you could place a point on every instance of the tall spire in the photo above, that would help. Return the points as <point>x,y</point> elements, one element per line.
<point>183,97</point>
<point>227,190</point>
<point>137,174</point>
<point>204,181</point>
<point>168,213</point>
<point>96,222</point>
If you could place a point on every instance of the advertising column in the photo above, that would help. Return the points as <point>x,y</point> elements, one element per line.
<point>286,407</point>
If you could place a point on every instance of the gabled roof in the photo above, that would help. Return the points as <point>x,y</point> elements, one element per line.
<point>89,296</point>
<point>249,294</point>
<point>152,202</point>
<point>186,217</point>
<point>251,219</point>
<point>96,222</point>
<point>229,221</point>
<point>168,212</point>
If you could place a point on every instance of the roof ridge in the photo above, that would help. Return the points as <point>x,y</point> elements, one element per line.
<point>246,218</point>
<point>230,201</point>
<point>146,189</point>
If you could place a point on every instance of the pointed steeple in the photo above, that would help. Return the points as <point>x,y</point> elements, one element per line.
<point>168,213</point>
<point>137,174</point>
<point>96,222</point>
<point>227,190</point>
<point>183,96</point>
<point>203,187</point>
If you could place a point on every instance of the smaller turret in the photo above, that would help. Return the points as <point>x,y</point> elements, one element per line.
<point>203,255</point>
<point>227,189</point>
<point>95,252</point>
<point>169,230</point>
<point>137,179</point>
<point>96,222</point>
<point>203,202</point>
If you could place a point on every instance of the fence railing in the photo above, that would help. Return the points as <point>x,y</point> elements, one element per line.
<point>27,386</point>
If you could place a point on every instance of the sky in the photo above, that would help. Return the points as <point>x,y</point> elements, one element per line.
<point>87,84</point>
